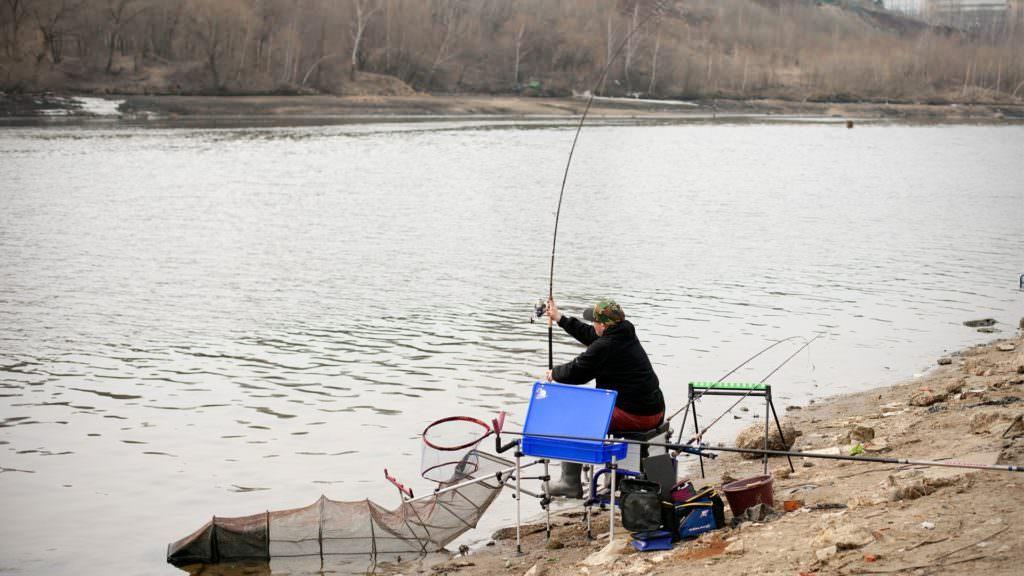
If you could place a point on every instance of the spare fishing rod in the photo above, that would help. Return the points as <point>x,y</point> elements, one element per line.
<point>741,365</point>
<point>656,10</point>
<point>701,434</point>
<point>702,449</point>
<point>875,459</point>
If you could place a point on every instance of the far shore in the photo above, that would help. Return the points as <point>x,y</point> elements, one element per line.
<point>14,107</point>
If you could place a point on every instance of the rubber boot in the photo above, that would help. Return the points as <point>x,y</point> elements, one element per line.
<point>569,484</point>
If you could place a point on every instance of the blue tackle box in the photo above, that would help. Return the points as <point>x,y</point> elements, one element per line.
<point>652,540</point>
<point>562,410</point>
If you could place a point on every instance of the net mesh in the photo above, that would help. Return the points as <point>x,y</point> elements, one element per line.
<point>335,529</point>
<point>449,451</point>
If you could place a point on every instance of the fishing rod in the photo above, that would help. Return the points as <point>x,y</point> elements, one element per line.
<point>875,459</point>
<point>741,365</point>
<point>701,449</point>
<point>737,402</point>
<point>655,11</point>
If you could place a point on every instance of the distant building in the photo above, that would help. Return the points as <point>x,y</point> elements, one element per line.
<point>1016,12</point>
<point>972,14</point>
<point>908,7</point>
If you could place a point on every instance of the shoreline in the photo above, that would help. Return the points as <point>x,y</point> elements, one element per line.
<point>312,108</point>
<point>856,518</point>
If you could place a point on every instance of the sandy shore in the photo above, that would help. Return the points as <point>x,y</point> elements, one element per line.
<point>312,107</point>
<point>857,518</point>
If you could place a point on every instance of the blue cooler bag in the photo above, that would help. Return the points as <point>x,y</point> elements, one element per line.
<point>700,518</point>
<point>702,513</point>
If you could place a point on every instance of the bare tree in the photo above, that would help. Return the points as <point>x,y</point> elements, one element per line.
<point>387,36</point>
<point>17,10</point>
<point>609,50</point>
<point>632,41</point>
<point>742,48</point>
<point>654,62</point>
<point>447,17</point>
<point>215,25</point>
<point>365,9</point>
<point>119,14</point>
<point>52,19</point>
<point>520,51</point>
<point>166,22</point>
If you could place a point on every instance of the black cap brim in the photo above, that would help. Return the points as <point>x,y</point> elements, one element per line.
<point>588,314</point>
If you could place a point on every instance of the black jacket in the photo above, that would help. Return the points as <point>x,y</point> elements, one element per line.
<point>617,361</point>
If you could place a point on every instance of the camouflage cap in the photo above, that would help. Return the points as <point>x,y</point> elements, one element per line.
<point>606,311</point>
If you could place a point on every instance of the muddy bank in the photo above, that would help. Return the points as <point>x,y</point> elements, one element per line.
<point>851,518</point>
<point>142,107</point>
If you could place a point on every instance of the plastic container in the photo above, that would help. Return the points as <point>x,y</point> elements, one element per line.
<point>652,540</point>
<point>576,451</point>
<point>743,494</point>
<point>562,410</point>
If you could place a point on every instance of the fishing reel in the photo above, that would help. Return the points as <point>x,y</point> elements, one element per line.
<point>539,310</point>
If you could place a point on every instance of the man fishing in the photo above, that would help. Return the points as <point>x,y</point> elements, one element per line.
<point>615,360</point>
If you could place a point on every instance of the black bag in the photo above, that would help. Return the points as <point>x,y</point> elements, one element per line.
<point>641,505</point>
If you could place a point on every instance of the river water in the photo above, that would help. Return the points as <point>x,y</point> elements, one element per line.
<point>201,321</point>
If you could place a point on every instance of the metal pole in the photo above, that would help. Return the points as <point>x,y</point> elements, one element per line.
<point>779,427</point>
<point>496,475</point>
<point>696,428</point>
<point>547,502</point>
<point>590,532</point>
<point>765,458</point>
<point>519,548</point>
<point>611,511</point>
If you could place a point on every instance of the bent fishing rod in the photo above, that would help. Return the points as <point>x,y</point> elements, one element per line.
<point>656,10</point>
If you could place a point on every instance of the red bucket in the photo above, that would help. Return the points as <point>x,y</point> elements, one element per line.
<point>743,494</point>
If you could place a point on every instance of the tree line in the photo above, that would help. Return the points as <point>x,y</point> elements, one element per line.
<point>841,49</point>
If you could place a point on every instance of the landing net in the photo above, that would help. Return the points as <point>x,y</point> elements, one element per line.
<point>449,448</point>
<point>334,529</point>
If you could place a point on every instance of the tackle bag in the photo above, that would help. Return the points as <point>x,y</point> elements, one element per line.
<point>701,513</point>
<point>682,491</point>
<point>641,505</point>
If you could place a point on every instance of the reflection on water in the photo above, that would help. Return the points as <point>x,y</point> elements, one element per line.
<point>201,321</point>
